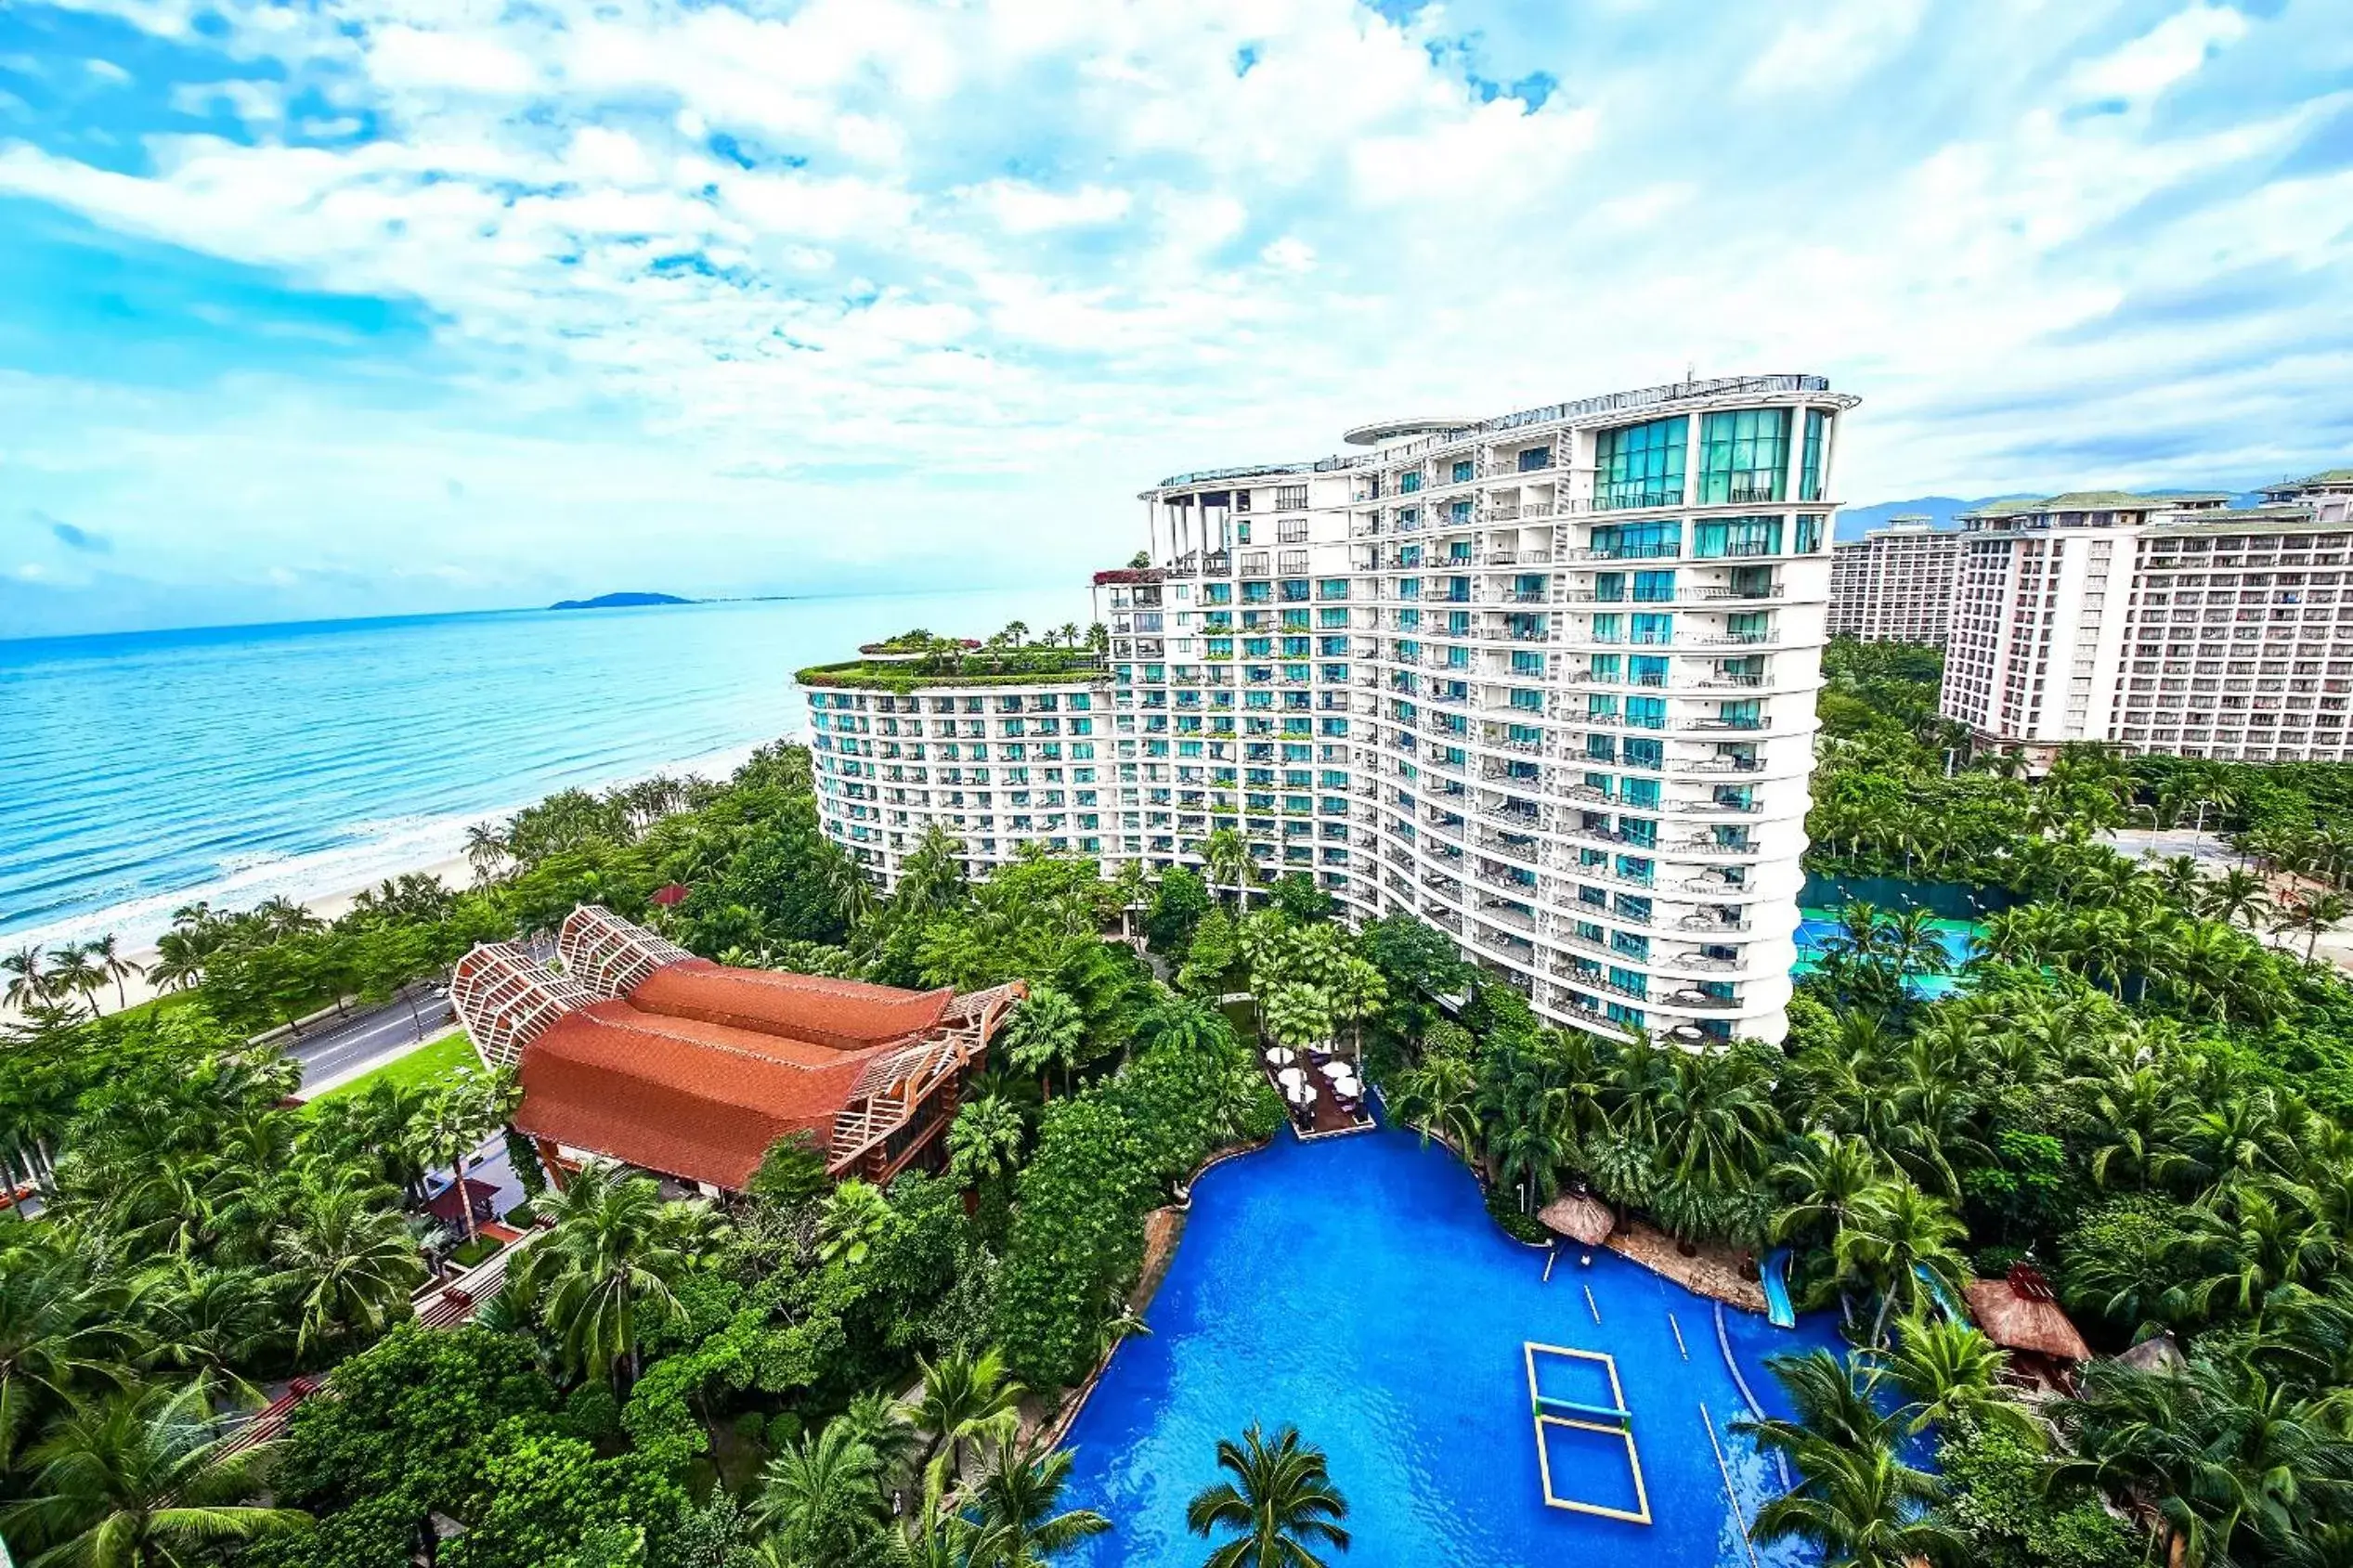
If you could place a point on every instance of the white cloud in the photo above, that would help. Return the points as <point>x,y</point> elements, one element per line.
<point>1022,208</point>
<point>2158,59</point>
<point>1070,246</point>
<point>409,56</point>
<point>1828,46</point>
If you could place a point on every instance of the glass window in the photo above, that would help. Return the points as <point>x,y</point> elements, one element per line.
<point>1654,586</point>
<point>1641,464</point>
<point>1810,459</point>
<point>1461,471</point>
<point>1638,541</point>
<point>1743,455</point>
<point>1736,535</point>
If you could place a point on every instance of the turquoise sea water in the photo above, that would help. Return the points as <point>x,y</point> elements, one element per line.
<point>235,763</point>
<point>1356,1287</point>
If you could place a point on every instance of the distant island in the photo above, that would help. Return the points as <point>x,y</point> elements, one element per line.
<point>618,601</point>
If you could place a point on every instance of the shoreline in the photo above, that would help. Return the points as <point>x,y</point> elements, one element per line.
<point>455,871</point>
<point>434,845</point>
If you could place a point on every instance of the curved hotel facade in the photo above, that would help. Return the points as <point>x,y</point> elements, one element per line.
<point>1545,680</point>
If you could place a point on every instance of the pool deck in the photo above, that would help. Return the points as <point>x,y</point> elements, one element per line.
<point>1714,1272</point>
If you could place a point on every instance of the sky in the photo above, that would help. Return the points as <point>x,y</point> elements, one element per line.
<point>401,305</point>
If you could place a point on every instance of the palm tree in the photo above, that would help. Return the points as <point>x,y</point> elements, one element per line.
<point>963,1399</point>
<point>63,1325</point>
<point>1227,855</point>
<point>73,974</point>
<point>456,1120</point>
<point>486,850</point>
<point>349,1261</point>
<point>1897,1239</point>
<point>1044,1032</point>
<point>28,977</point>
<point>610,1266</point>
<point>1279,1508</point>
<point>1950,1371</point>
<point>984,1142</point>
<point>822,1497</point>
<point>2237,897</point>
<point>2312,916</point>
<point>140,1479</point>
<point>1016,1506</point>
<point>1438,1098</point>
<point>1862,1509</point>
<point>856,1216</point>
<point>110,964</point>
<point>1356,995</point>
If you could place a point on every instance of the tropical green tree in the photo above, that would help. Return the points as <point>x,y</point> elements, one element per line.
<point>608,1269</point>
<point>963,1399</point>
<point>1017,1505</point>
<point>856,1218</point>
<point>348,1261</point>
<point>821,1499</point>
<point>1279,1508</point>
<point>1046,1031</point>
<point>141,1478</point>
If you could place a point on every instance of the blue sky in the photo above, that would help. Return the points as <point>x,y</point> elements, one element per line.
<point>411,305</point>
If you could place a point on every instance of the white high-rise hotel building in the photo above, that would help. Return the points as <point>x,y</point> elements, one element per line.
<point>2161,623</point>
<point>1546,680</point>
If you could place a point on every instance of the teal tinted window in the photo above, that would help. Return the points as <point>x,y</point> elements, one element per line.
<point>1641,464</point>
<point>1736,535</point>
<point>1810,459</point>
<point>1743,455</point>
<point>1461,471</point>
<point>1638,541</point>
<point>1651,588</point>
<point>1609,629</point>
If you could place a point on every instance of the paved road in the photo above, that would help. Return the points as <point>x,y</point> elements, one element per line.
<point>368,1036</point>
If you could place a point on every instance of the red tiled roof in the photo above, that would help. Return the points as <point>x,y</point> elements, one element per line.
<point>839,1014</point>
<point>686,1096</point>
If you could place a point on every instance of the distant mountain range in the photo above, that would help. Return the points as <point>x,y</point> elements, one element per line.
<point>618,601</point>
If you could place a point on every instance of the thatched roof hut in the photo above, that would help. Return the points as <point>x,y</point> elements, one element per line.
<point>1579,1217</point>
<point>2021,1314</point>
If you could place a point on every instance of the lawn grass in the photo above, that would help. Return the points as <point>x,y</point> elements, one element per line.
<point>441,1059</point>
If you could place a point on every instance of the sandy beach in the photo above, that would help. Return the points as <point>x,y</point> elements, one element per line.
<point>454,871</point>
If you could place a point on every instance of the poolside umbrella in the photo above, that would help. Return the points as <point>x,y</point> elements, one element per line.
<point>1280,1055</point>
<point>1292,1078</point>
<point>1578,1218</point>
<point>1334,1069</point>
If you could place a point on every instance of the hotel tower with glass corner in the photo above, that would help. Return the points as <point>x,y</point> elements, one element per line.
<point>1545,680</point>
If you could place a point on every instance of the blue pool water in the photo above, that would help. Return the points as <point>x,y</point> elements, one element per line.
<point>1819,925</point>
<point>1357,1289</point>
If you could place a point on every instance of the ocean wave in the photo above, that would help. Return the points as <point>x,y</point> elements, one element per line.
<point>377,851</point>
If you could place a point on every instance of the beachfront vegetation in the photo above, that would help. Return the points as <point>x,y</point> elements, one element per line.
<point>923,658</point>
<point>2128,1085</point>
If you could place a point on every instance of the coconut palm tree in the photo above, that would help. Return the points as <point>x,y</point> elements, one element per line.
<point>28,977</point>
<point>455,1121</point>
<point>1898,1237</point>
<point>1018,1508</point>
<point>963,1399</point>
<point>2312,916</point>
<point>110,965</point>
<point>2239,896</point>
<point>64,1326</point>
<point>1044,1032</point>
<point>1951,1371</point>
<point>140,1478</point>
<point>73,974</point>
<point>1280,1509</point>
<point>822,1498</point>
<point>1297,1016</point>
<point>609,1268</point>
<point>1862,1509</point>
<point>984,1142</point>
<point>1438,1098</point>
<point>1357,994</point>
<point>348,1261</point>
<point>1227,856</point>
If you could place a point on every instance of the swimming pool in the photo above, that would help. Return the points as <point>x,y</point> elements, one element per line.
<point>1355,1287</point>
<point>1819,925</point>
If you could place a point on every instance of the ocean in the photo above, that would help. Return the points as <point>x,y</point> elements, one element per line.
<point>141,770</point>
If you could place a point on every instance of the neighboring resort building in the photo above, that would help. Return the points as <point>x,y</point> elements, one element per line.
<point>1895,584</point>
<point>902,745</point>
<point>1545,680</point>
<point>641,1053</point>
<point>2173,624</point>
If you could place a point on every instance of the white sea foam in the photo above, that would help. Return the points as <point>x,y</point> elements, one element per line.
<point>379,849</point>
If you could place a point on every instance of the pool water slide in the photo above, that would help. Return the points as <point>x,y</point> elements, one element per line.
<point>1775,1278</point>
